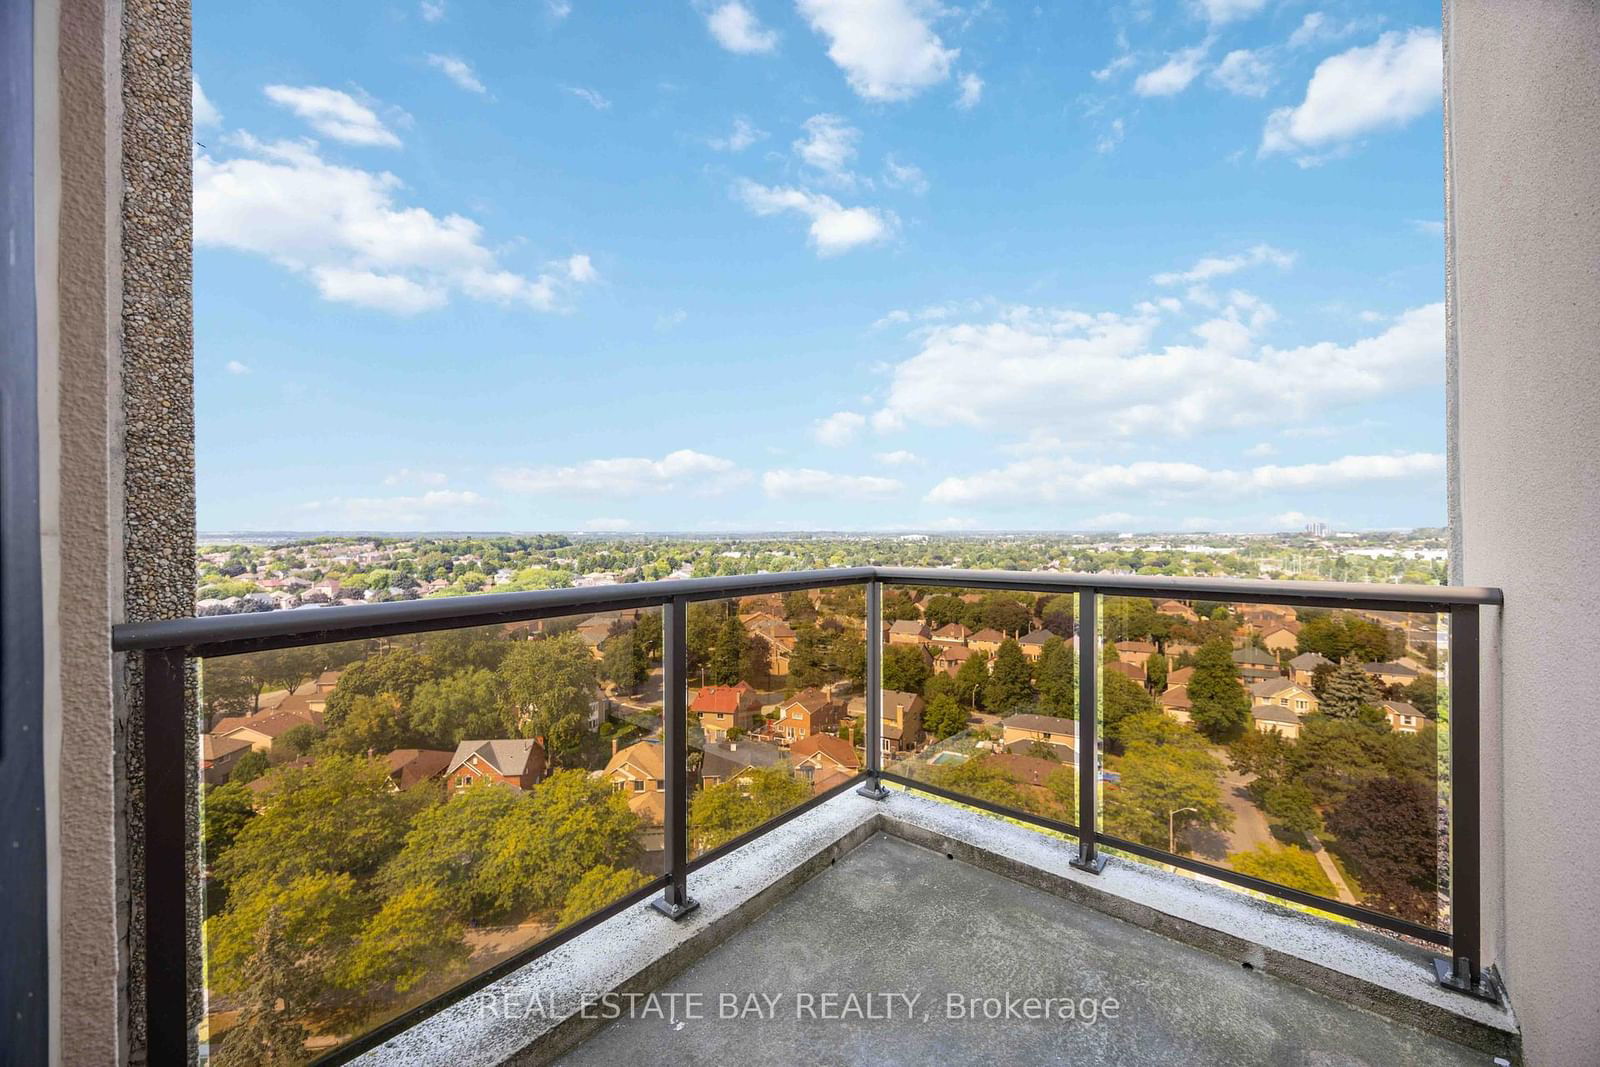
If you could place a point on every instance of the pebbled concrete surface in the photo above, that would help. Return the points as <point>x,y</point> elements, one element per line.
<point>894,918</point>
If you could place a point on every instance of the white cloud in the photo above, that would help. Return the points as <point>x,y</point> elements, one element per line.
<point>1218,266</point>
<point>1038,370</point>
<point>840,428</point>
<point>205,112</point>
<point>581,269</point>
<point>607,525</point>
<point>898,458</point>
<point>1261,450</point>
<point>1173,76</point>
<point>1317,27</point>
<point>834,228</point>
<point>1243,73</point>
<point>1384,84</point>
<point>1218,12</point>
<point>432,10</point>
<point>886,48</point>
<point>335,114</point>
<point>344,229</point>
<point>233,366</point>
<point>907,176</point>
<point>683,470</point>
<point>671,320</point>
<point>737,29</point>
<point>559,9</point>
<point>1061,479</point>
<point>743,135</point>
<point>457,70</point>
<point>1431,227</point>
<point>829,145</point>
<point>971,87</point>
<point>1112,137</point>
<point>1109,520</point>
<point>1293,520</point>
<point>807,482</point>
<point>432,510</point>
<point>413,476</point>
<point>589,96</point>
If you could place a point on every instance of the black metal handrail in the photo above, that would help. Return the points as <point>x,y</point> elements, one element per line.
<point>167,645</point>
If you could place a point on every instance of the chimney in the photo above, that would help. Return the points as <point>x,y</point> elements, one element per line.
<point>613,746</point>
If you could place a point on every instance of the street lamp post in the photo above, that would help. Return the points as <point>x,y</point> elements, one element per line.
<point>1172,844</point>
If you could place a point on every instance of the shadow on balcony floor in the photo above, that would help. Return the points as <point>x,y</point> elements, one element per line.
<point>894,918</point>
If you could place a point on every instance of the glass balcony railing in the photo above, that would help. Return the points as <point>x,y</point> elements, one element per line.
<point>402,802</point>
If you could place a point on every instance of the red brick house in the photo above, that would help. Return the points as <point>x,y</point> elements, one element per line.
<point>724,707</point>
<point>514,761</point>
<point>807,712</point>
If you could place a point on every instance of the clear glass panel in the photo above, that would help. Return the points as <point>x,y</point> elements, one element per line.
<point>776,712</point>
<point>992,678</point>
<point>384,819</point>
<point>1301,746</point>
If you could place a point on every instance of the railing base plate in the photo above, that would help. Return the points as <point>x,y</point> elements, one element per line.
<point>674,911</point>
<point>1484,987</point>
<point>1094,865</point>
<point>873,790</point>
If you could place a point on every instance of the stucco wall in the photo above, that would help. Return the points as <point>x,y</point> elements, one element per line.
<point>1523,81</point>
<point>116,467</point>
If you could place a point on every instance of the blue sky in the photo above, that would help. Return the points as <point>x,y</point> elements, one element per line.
<point>818,264</point>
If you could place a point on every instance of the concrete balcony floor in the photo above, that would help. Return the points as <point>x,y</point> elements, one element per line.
<point>894,918</point>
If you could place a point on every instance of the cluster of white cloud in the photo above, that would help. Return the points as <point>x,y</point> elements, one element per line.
<point>342,227</point>
<point>1219,266</point>
<point>457,70</point>
<point>829,147</point>
<point>334,114</point>
<point>417,477</point>
<point>804,481</point>
<point>682,471</point>
<point>840,428</point>
<point>204,111</point>
<point>1059,478</point>
<point>742,136</point>
<point>886,48</point>
<point>737,29</point>
<point>589,96</point>
<point>422,511</point>
<point>1103,375</point>
<point>1174,76</point>
<point>1388,83</point>
<point>834,228</point>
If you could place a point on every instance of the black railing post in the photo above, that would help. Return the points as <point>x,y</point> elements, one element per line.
<point>1088,620</point>
<point>674,901</point>
<point>166,883</point>
<point>1464,970</point>
<point>873,787</point>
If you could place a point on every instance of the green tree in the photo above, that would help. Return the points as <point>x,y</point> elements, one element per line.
<point>1155,669</point>
<point>1286,866</point>
<point>224,809</point>
<point>397,672</point>
<point>981,778</point>
<point>1388,829</point>
<point>899,604</point>
<point>1057,674</point>
<point>467,704</point>
<point>1010,685</point>
<point>296,741</point>
<point>1221,707</point>
<point>972,677</point>
<point>449,845</point>
<point>623,662</point>
<point>251,765</point>
<point>599,887</point>
<point>797,607</point>
<point>728,656</point>
<point>720,813</point>
<point>1294,805</point>
<point>905,668</point>
<point>1349,690</point>
<point>943,609</point>
<point>1159,779</point>
<point>943,717</point>
<point>413,936</point>
<point>549,685</point>
<point>567,825</point>
<point>1121,698</point>
<point>372,725</point>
